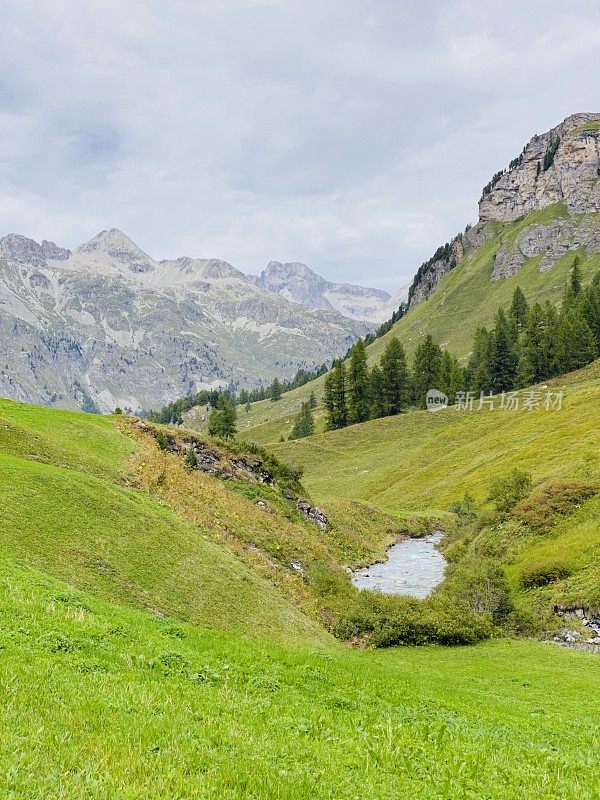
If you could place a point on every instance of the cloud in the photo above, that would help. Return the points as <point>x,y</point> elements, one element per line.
<point>354,136</point>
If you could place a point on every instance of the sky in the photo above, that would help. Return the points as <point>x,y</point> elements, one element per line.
<point>352,135</point>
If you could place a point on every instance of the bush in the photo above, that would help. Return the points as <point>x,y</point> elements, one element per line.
<point>481,587</point>
<point>391,620</point>
<point>456,623</point>
<point>465,509</point>
<point>542,508</point>
<point>507,492</point>
<point>542,573</point>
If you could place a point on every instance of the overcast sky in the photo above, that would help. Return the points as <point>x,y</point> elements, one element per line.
<point>354,136</point>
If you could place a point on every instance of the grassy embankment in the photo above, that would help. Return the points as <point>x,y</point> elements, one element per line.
<point>104,701</point>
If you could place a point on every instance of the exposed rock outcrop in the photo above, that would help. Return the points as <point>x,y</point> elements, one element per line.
<point>444,260</point>
<point>226,464</point>
<point>552,241</point>
<point>560,166</point>
<point>312,513</point>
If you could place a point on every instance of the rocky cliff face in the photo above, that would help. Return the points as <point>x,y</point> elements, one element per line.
<point>298,283</point>
<point>107,325</point>
<point>559,168</point>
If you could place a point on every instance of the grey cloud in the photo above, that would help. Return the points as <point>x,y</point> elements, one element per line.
<point>354,136</point>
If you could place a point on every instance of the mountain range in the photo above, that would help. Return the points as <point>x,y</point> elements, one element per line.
<point>298,283</point>
<point>107,325</point>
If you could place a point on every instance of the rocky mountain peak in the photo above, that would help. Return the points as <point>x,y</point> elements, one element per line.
<point>120,248</point>
<point>20,249</point>
<point>299,283</point>
<point>559,166</point>
<point>278,275</point>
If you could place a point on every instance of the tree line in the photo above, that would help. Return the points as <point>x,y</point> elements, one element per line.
<point>526,345</point>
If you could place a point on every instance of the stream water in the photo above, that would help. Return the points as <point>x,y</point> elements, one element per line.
<point>414,567</point>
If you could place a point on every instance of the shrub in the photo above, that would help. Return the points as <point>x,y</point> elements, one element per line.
<point>162,441</point>
<point>391,620</point>
<point>542,508</point>
<point>542,573</point>
<point>507,492</point>
<point>456,623</point>
<point>481,587</point>
<point>465,509</point>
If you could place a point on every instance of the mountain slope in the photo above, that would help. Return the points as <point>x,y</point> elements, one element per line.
<point>67,507</point>
<point>158,695</point>
<point>107,325</point>
<point>424,462</point>
<point>465,282</point>
<point>301,285</point>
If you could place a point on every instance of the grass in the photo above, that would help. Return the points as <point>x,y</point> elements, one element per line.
<point>117,541</point>
<point>101,701</point>
<point>594,125</point>
<point>423,461</point>
<point>154,645</point>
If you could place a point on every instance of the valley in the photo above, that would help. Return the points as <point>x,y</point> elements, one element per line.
<point>365,600</point>
<point>157,642</point>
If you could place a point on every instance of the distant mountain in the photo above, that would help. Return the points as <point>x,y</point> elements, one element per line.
<point>107,325</point>
<point>300,284</point>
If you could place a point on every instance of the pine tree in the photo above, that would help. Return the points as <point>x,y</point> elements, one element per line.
<point>577,344</point>
<point>395,380</point>
<point>574,286</point>
<point>275,391</point>
<point>478,376</point>
<point>304,424</point>
<point>590,306</point>
<point>191,459</point>
<point>376,404</point>
<point>312,400</point>
<point>445,370</point>
<point>519,309</point>
<point>335,397</point>
<point>452,377</point>
<point>533,358</point>
<point>222,421</point>
<point>551,342</point>
<point>503,356</point>
<point>426,370</point>
<point>358,384</point>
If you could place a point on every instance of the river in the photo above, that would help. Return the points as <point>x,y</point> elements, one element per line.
<point>413,567</point>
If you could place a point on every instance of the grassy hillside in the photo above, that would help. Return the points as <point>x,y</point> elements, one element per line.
<point>466,298</point>
<point>101,701</point>
<point>96,502</point>
<point>420,460</point>
<point>66,508</point>
<point>208,674</point>
<point>426,462</point>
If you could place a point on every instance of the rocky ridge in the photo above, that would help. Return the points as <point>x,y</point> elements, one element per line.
<point>107,325</point>
<point>559,168</point>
